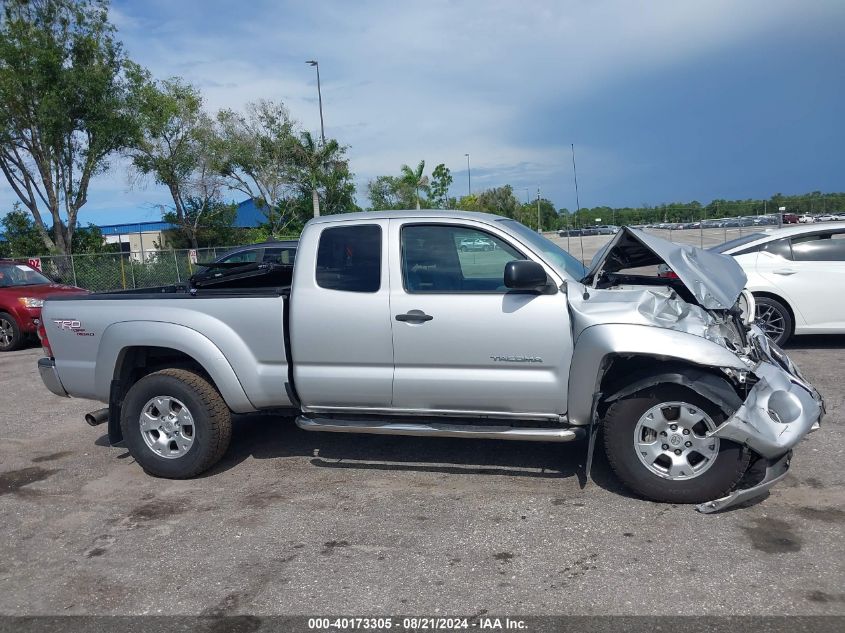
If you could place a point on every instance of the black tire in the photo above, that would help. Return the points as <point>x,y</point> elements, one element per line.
<point>620,422</point>
<point>10,333</point>
<point>212,419</point>
<point>771,307</point>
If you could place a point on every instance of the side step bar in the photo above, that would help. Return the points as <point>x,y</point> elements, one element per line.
<point>438,429</point>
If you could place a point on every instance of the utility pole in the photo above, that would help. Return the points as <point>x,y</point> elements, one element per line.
<point>315,64</point>
<point>469,177</point>
<point>539,229</point>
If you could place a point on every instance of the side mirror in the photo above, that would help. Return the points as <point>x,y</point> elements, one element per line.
<point>523,274</point>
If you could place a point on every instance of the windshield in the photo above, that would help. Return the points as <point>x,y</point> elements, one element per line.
<point>555,254</point>
<point>745,239</point>
<point>20,275</point>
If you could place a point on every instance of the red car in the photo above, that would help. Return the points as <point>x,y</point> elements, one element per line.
<point>22,293</point>
<point>790,218</point>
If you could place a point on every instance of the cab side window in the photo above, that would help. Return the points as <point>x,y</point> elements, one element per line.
<point>349,258</point>
<point>453,259</point>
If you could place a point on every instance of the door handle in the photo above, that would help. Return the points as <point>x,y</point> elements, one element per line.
<point>414,316</point>
<point>784,271</point>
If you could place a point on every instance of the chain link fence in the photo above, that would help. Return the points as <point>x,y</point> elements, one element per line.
<point>100,272</point>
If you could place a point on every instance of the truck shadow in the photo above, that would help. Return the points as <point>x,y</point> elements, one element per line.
<point>269,437</point>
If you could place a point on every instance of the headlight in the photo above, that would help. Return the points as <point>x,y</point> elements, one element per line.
<point>32,302</point>
<point>748,306</point>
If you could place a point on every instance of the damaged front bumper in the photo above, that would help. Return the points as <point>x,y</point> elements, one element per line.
<point>781,408</point>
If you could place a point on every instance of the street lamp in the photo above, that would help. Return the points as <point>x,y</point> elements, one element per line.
<point>315,64</point>
<point>469,177</point>
<point>539,230</point>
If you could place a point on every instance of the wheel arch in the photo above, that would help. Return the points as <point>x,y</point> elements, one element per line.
<point>130,349</point>
<point>605,355</point>
<point>781,299</point>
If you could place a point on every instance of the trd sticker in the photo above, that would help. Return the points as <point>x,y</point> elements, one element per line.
<point>72,325</point>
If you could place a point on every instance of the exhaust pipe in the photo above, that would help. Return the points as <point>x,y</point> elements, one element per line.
<point>97,417</point>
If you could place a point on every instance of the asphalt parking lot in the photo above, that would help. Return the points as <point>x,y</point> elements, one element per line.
<point>306,523</point>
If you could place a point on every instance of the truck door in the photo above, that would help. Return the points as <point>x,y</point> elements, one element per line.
<point>462,341</point>
<point>340,325</point>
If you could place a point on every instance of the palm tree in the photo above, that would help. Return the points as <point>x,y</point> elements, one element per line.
<point>315,160</point>
<point>414,179</point>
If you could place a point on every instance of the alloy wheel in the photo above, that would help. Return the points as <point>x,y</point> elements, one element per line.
<point>167,427</point>
<point>7,333</point>
<point>771,321</point>
<point>671,441</point>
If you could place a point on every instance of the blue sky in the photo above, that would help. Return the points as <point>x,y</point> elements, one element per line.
<point>664,100</point>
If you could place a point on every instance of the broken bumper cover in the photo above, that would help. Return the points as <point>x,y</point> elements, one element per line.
<point>780,410</point>
<point>776,470</point>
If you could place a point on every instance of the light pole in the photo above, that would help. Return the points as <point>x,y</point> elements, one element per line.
<point>527,196</point>
<point>469,177</point>
<point>539,230</point>
<point>313,62</point>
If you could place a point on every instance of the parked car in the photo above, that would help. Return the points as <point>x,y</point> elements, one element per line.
<point>385,329</point>
<point>607,229</point>
<point>806,219</point>
<point>569,233</point>
<point>789,218</point>
<point>796,274</point>
<point>476,244</point>
<point>22,293</point>
<point>825,217</point>
<point>275,258</point>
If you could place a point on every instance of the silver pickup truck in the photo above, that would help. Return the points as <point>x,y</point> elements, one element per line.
<point>389,326</point>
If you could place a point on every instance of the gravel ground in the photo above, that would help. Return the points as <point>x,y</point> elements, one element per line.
<point>307,523</point>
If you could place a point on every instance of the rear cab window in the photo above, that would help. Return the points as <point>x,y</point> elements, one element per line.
<point>349,258</point>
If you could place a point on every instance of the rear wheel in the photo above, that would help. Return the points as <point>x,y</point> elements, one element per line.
<point>774,319</point>
<point>175,423</point>
<point>10,334</point>
<point>657,444</point>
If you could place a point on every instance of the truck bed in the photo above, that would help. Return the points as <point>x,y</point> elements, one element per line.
<point>238,335</point>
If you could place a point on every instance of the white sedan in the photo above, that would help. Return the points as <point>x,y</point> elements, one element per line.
<point>797,276</point>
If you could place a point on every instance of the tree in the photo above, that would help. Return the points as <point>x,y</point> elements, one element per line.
<point>499,200</point>
<point>212,220</point>
<point>175,148</point>
<point>318,164</point>
<point>256,154</point>
<point>65,85</point>
<point>441,180</point>
<point>22,238</point>
<point>415,180</point>
<point>384,193</point>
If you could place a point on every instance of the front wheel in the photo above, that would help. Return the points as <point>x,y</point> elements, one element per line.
<point>175,423</point>
<point>657,444</point>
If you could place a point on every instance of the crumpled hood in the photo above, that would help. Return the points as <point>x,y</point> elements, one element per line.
<point>715,280</point>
